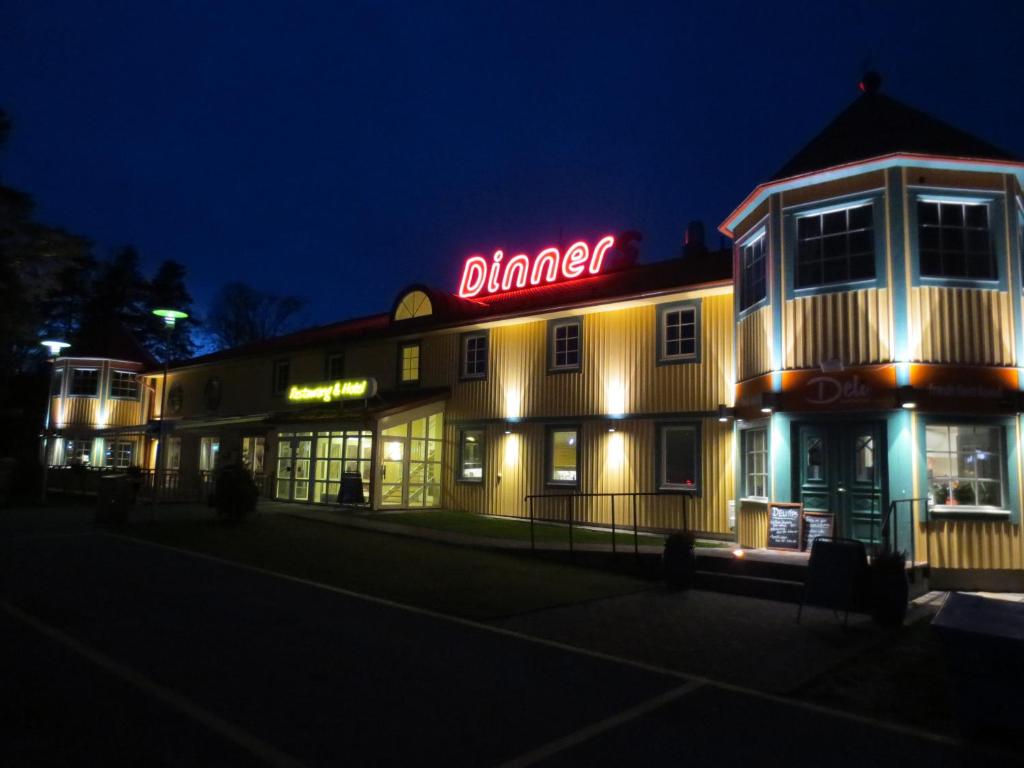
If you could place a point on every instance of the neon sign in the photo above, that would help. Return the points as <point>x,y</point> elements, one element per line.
<point>480,277</point>
<point>343,389</point>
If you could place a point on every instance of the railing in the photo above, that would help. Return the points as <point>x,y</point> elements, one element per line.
<point>890,529</point>
<point>174,485</point>
<point>569,501</point>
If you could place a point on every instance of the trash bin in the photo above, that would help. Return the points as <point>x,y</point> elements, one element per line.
<point>983,642</point>
<point>115,498</point>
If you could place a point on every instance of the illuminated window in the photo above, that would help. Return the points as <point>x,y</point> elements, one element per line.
<point>679,332</point>
<point>753,285</point>
<point>965,465</point>
<point>209,449</point>
<point>124,384</point>
<point>85,382</point>
<point>409,363</point>
<point>474,355</point>
<point>954,240</point>
<point>678,457</point>
<point>78,452</point>
<point>471,455</point>
<point>563,456</point>
<point>755,462</point>
<point>835,247</point>
<point>119,454</point>
<point>282,372</point>
<point>253,450</point>
<point>414,304</point>
<point>173,460</point>
<point>335,367</point>
<point>564,337</point>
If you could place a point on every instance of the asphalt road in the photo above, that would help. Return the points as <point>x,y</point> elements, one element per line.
<point>118,652</point>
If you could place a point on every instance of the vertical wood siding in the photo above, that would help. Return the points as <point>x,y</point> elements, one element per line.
<point>610,462</point>
<point>961,325</point>
<point>976,544</point>
<point>851,326</point>
<point>754,344</point>
<point>752,523</point>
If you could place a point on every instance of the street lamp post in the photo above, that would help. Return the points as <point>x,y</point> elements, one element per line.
<point>54,348</point>
<point>170,317</point>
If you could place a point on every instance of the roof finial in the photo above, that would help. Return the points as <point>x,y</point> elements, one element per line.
<point>871,82</point>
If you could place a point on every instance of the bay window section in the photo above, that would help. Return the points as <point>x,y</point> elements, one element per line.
<point>85,382</point>
<point>965,467</point>
<point>835,246</point>
<point>678,457</point>
<point>753,272</point>
<point>471,455</point>
<point>954,240</point>
<point>124,385</point>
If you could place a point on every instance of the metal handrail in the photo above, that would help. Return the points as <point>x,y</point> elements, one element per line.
<point>633,495</point>
<point>891,516</point>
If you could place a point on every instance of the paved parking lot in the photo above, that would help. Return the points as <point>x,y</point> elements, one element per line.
<point>122,652</point>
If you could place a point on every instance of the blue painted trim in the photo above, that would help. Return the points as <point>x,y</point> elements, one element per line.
<point>774,277</point>
<point>898,262</point>
<point>996,207</point>
<point>899,440</point>
<point>877,201</point>
<point>780,456</point>
<point>757,231</point>
<point>1013,216</point>
<point>763,191</point>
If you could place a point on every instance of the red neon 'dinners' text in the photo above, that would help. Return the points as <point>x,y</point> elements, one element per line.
<point>480,276</point>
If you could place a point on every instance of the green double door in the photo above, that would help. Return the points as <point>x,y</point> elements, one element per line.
<point>841,469</point>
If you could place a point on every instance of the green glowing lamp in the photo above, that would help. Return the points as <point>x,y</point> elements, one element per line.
<point>170,316</point>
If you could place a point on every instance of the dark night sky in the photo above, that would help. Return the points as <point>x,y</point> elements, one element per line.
<point>339,151</point>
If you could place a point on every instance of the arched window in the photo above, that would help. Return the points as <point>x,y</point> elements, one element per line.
<point>414,304</point>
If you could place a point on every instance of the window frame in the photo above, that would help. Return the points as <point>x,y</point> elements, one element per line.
<point>549,453</point>
<point>329,373</point>
<point>759,234</point>
<point>69,457</point>
<point>110,386</point>
<point>460,476</point>
<point>464,340</point>
<point>109,446</point>
<point>963,203</point>
<point>662,310</point>
<point>660,453</point>
<point>71,383</point>
<point>553,326</point>
<point>402,346</point>
<point>1006,492</point>
<point>276,366</point>
<point>821,213</point>
<point>745,455</point>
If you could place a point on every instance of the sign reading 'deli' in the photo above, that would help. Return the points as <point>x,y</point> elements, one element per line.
<point>483,277</point>
<point>342,389</point>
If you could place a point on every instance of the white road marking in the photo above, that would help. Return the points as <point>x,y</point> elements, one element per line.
<point>903,730</point>
<point>241,738</point>
<point>595,729</point>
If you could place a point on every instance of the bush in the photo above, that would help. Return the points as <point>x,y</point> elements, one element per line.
<point>679,561</point>
<point>234,493</point>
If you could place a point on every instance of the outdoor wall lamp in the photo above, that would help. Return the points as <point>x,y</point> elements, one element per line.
<point>769,401</point>
<point>906,396</point>
<point>725,413</point>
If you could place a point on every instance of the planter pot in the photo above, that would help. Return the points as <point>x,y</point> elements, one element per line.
<point>890,594</point>
<point>679,562</point>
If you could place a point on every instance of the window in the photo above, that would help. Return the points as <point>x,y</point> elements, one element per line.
<point>335,367</point>
<point>563,456</point>
<point>755,463</point>
<point>753,286</point>
<point>57,381</point>
<point>835,247</point>
<point>678,457</point>
<point>678,332</point>
<point>471,456</point>
<point>474,355</point>
<point>409,363</point>
<point>209,448</point>
<point>119,454</point>
<point>253,450</point>
<point>173,460</point>
<point>282,372</point>
<point>85,382</point>
<point>954,240</point>
<point>564,338</point>
<point>78,452</point>
<point>124,384</point>
<point>965,465</point>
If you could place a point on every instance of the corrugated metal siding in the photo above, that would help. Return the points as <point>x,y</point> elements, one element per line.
<point>972,544</point>
<point>78,411</point>
<point>752,524</point>
<point>610,462</point>
<point>123,413</point>
<point>754,344</point>
<point>851,326</point>
<point>961,325</point>
<point>619,371</point>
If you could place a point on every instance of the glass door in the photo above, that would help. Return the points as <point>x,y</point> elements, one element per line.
<point>392,467</point>
<point>302,453</point>
<point>283,475</point>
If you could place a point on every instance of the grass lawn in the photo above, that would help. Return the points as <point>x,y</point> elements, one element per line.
<point>439,577</point>
<point>516,530</point>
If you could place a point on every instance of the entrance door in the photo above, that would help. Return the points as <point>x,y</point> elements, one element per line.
<point>392,472</point>
<point>841,469</point>
<point>292,474</point>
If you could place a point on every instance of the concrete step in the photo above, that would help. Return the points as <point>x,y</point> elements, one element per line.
<point>749,566</point>
<point>783,590</point>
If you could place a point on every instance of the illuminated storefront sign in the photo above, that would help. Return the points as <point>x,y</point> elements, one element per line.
<point>326,392</point>
<point>481,277</point>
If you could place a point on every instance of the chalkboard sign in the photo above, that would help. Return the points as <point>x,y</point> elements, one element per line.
<point>817,524</point>
<point>784,526</point>
<point>351,489</point>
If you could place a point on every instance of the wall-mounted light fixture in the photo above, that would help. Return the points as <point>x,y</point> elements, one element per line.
<point>906,396</point>
<point>725,413</point>
<point>769,402</point>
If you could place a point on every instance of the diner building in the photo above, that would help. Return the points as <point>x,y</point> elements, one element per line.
<point>857,350</point>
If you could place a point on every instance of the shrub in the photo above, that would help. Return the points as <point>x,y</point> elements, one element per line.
<point>679,561</point>
<point>234,493</point>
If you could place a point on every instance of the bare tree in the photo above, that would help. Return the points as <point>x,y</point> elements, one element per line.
<point>240,314</point>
